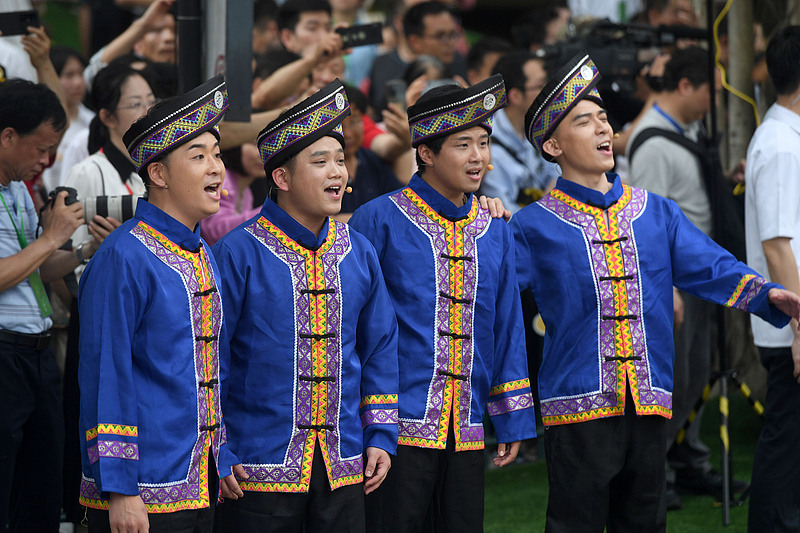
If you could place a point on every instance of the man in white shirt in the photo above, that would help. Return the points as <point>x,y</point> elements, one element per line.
<point>520,175</point>
<point>772,225</point>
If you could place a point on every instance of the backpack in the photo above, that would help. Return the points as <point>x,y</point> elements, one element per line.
<point>727,210</point>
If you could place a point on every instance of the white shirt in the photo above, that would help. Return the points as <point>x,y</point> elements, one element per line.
<point>96,176</point>
<point>56,174</point>
<point>772,202</point>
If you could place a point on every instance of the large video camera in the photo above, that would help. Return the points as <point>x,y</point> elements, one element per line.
<point>121,208</point>
<point>619,50</point>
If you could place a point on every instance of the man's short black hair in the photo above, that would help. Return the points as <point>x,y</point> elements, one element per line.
<point>25,106</point>
<point>413,20</point>
<point>531,29</point>
<point>289,13</point>
<point>267,64</point>
<point>263,12</point>
<point>478,51</point>
<point>690,63</point>
<point>356,98</point>
<point>511,68</point>
<point>783,60</point>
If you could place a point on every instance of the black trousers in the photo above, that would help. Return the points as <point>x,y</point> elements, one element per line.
<point>429,490</point>
<point>31,439</point>
<point>775,487</point>
<point>191,521</point>
<point>609,473</point>
<point>320,510</point>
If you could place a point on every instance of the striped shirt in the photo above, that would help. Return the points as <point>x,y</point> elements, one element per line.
<point>18,308</point>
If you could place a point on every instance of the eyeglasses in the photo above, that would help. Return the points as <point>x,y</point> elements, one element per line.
<point>139,106</point>
<point>443,37</point>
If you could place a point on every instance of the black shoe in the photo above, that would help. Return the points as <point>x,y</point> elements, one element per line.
<point>691,481</point>
<point>674,502</point>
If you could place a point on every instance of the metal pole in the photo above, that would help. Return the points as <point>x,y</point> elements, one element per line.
<point>190,45</point>
<point>741,124</point>
<point>723,359</point>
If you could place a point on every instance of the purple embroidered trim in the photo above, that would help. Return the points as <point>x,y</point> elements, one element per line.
<point>89,489</point>
<point>290,470</point>
<point>183,490</point>
<point>568,406</point>
<point>114,449</point>
<point>91,451</point>
<point>509,404</point>
<point>190,487</point>
<point>428,428</point>
<point>754,287</point>
<point>606,397</point>
<point>379,416</point>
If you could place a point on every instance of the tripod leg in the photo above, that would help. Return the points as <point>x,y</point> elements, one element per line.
<point>724,412</point>
<point>745,390</point>
<point>697,406</point>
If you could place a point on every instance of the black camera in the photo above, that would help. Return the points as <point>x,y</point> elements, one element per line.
<point>619,50</point>
<point>72,196</point>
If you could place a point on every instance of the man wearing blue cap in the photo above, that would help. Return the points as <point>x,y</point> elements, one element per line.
<point>601,259</point>
<point>152,337</point>
<point>450,272</point>
<point>313,336</point>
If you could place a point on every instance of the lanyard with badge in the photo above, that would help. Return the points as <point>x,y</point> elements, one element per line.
<point>34,279</point>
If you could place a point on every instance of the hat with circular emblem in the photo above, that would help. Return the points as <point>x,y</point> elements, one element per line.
<point>296,128</point>
<point>437,115</point>
<point>176,121</point>
<point>575,81</point>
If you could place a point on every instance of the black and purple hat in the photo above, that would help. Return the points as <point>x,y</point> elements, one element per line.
<point>315,117</point>
<point>179,120</point>
<point>575,81</point>
<point>456,111</point>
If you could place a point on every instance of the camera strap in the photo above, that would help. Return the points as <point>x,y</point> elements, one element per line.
<point>34,279</point>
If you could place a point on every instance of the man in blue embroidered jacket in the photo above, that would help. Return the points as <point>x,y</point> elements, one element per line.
<point>450,272</point>
<point>152,343</point>
<point>601,259</point>
<point>313,339</point>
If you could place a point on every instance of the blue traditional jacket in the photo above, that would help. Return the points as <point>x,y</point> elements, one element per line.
<point>151,324</point>
<point>313,351</point>
<point>450,273</point>
<point>604,290</point>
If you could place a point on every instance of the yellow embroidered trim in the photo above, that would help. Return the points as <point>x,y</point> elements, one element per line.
<point>623,340</point>
<point>112,429</point>
<point>739,288</point>
<point>378,399</point>
<point>202,273</point>
<point>423,443</point>
<point>201,502</point>
<point>455,246</point>
<point>510,386</point>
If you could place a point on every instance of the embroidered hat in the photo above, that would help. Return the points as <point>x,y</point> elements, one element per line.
<point>441,115</point>
<point>315,117</point>
<point>575,81</point>
<point>177,121</point>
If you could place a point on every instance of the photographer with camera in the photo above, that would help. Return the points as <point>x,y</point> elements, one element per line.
<point>31,123</point>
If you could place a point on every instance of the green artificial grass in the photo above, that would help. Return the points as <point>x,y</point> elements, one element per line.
<point>516,496</point>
